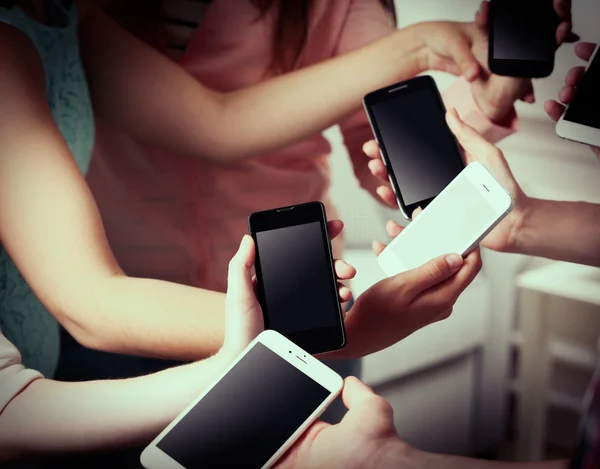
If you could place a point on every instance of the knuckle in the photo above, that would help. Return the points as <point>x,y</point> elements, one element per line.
<point>437,270</point>
<point>382,406</point>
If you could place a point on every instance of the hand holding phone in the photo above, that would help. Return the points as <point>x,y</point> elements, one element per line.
<point>296,280</point>
<point>455,222</point>
<point>420,153</point>
<point>253,413</point>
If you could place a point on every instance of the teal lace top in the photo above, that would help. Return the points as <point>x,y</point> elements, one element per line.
<point>23,319</point>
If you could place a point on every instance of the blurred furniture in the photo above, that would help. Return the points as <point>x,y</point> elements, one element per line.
<point>540,347</point>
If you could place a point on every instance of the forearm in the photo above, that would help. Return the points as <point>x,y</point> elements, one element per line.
<point>151,98</point>
<point>567,231</point>
<point>147,317</point>
<point>434,461</point>
<point>51,417</point>
<point>397,455</point>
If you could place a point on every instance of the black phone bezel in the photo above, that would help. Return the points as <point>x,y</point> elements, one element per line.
<point>318,340</point>
<point>392,92</point>
<point>515,68</point>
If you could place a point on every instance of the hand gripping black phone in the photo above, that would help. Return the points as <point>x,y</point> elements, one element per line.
<point>297,286</point>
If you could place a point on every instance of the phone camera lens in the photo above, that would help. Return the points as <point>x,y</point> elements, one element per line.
<point>290,351</point>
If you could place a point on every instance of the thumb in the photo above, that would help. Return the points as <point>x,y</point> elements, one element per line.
<point>355,392</point>
<point>240,303</point>
<point>433,272</point>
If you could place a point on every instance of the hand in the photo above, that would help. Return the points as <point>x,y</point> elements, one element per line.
<point>366,436</point>
<point>395,307</point>
<point>553,108</point>
<point>243,314</point>
<point>447,48</point>
<point>476,148</point>
<point>495,95</point>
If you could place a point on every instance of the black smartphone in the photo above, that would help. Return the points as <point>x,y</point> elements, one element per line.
<point>297,286</point>
<point>418,149</point>
<point>522,37</point>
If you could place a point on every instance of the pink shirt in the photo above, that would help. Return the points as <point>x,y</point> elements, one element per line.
<point>176,219</point>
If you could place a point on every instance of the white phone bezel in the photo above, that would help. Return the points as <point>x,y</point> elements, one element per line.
<point>496,195</point>
<point>579,132</point>
<point>154,458</point>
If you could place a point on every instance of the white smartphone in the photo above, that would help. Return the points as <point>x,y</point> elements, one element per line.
<point>581,121</point>
<point>253,413</point>
<point>454,223</point>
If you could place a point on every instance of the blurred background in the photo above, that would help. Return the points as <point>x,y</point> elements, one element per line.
<point>505,375</point>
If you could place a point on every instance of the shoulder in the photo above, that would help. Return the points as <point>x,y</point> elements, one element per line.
<point>20,64</point>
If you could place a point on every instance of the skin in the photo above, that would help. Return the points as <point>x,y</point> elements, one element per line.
<point>68,261</point>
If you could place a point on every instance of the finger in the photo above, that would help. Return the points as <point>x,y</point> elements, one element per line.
<point>241,296</point>
<point>355,392</point>
<point>554,109</point>
<point>371,149</point>
<point>529,95</point>
<point>387,195</point>
<point>461,54</point>
<point>378,247</point>
<point>467,137</point>
<point>574,76</point>
<point>445,294</point>
<point>344,271</point>
<point>566,94</point>
<point>563,32</point>
<point>393,229</point>
<point>483,15</point>
<point>239,275</point>
<point>344,292</point>
<point>416,212</point>
<point>431,273</point>
<point>334,228</point>
<point>378,169</point>
<point>563,9</point>
<point>584,50</point>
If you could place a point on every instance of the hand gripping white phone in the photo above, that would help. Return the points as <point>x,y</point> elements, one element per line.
<point>454,223</point>
<point>255,411</point>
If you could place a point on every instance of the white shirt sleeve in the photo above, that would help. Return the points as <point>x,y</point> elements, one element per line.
<point>14,377</point>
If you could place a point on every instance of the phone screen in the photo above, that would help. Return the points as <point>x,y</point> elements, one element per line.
<point>460,214</point>
<point>420,148</point>
<point>247,416</point>
<point>296,278</point>
<point>524,30</point>
<point>585,108</point>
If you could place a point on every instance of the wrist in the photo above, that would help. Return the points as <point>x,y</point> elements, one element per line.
<point>526,228</point>
<point>493,108</point>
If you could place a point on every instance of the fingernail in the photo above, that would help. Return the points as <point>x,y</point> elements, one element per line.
<point>454,260</point>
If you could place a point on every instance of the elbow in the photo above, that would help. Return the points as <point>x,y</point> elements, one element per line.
<point>86,335</point>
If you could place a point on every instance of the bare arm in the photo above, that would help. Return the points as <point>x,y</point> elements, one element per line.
<point>51,417</point>
<point>141,91</point>
<point>51,228</point>
<point>434,461</point>
<point>567,231</point>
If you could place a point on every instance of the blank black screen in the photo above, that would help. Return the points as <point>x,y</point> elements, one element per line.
<point>585,108</point>
<point>247,416</point>
<point>524,30</point>
<point>420,147</point>
<point>297,279</point>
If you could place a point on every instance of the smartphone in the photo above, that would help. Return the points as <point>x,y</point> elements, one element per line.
<point>455,222</point>
<point>296,282</point>
<point>417,147</point>
<point>522,37</point>
<point>253,413</point>
<point>581,120</point>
